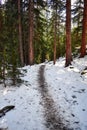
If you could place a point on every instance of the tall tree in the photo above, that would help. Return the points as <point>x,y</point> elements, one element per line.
<point>55,34</point>
<point>20,33</point>
<point>31,32</point>
<point>68,33</point>
<point>0,17</point>
<point>84,31</point>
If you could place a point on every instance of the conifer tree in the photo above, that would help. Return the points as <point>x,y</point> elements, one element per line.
<point>11,39</point>
<point>68,33</point>
<point>84,31</point>
<point>3,57</point>
<point>31,33</point>
<point>20,33</point>
<point>55,34</point>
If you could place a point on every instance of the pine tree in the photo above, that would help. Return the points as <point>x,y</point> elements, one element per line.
<point>84,31</point>
<point>55,34</point>
<point>20,33</point>
<point>68,33</point>
<point>3,57</point>
<point>31,33</point>
<point>11,45</point>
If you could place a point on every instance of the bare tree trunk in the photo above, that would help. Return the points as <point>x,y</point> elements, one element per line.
<point>55,32</point>
<point>54,43</point>
<point>31,32</point>
<point>68,33</point>
<point>20,34</point>
<point>58,39</point>
<point>84,31</point>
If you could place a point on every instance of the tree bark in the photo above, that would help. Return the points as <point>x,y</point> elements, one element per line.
<point>31,32</point>
<point>20,34</point>
<point>54,43</point>
<point>68,33</point>
<point>84,31</point>
<point>55,33</point>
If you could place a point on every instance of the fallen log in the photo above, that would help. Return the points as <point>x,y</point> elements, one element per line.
<point>5,109</point>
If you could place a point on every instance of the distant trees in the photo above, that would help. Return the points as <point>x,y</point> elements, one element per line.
<point>56,28</point>
<point>77,17</point>
<point>40,22</point>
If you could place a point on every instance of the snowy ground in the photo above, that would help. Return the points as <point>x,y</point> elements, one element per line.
<point>67,87</point>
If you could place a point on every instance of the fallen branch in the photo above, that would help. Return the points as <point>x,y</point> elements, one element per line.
<point>5,109</point>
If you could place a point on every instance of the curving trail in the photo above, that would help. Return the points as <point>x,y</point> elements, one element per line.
<point>51,115</point>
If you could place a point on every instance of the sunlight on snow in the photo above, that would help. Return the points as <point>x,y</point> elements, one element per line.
<point>5,92</point>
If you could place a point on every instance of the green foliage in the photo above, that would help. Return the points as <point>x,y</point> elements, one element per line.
<point>76,38</point>
<point>45,13</point>
<point>9,43</point>
<point>77,29</point>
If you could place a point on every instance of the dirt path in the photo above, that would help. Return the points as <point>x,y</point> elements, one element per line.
<point>53,121</point>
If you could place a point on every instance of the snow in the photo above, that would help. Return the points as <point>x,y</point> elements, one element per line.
<point>67,86</point>
<point>69,90</point>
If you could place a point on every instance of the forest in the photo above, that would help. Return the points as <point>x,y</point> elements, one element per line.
<point>33,31</point>
<point>43,64</point>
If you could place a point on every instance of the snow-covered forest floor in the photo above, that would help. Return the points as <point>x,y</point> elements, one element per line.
<point>49,94</point>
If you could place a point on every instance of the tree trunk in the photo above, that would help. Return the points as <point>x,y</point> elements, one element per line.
<point>68,33</point>
<point>20,34</point>
<point>84,31</point>
<point>58,39</point>
<point>55,32</point>
<point>31,25</point>
<point>54,43</point>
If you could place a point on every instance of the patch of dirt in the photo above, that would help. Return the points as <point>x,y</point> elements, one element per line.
<point>51,114</point>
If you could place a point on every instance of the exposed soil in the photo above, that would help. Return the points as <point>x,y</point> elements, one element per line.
<point>51,114</point>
